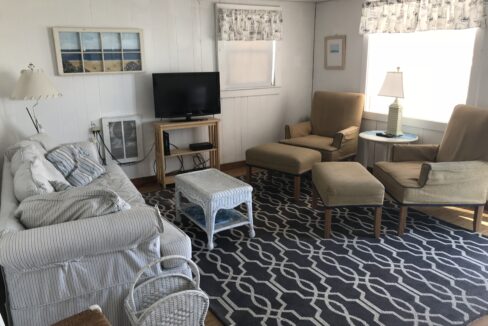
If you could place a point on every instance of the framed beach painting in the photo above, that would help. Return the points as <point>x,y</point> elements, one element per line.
<point>98,50</point>
<point>335,52</point>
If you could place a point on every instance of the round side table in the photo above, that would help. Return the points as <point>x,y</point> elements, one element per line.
<point>370,136</point>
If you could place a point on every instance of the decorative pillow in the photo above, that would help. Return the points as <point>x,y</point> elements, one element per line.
<point>75,165</point>
<point>24,185</point>
<point>70,205</point>
<point>26,151</point>
<point>60,186</point>
<point>33,178</point>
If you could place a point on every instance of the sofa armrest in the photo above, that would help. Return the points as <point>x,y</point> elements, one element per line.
<point>344,136</point>
<point>298,130</point>
<point>414,152</point>
<point>455,173</point>
<point>44,246</point>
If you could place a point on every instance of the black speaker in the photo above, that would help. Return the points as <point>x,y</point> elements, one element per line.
<point>167,149</point>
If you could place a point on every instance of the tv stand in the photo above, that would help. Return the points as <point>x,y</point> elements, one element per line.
<point>213,137</point>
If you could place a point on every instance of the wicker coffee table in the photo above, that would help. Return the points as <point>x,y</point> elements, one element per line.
<point>212,197</point>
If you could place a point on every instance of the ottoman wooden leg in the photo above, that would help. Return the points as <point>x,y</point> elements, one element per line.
<point>328,222</point>
<point>477,217</point>
<point>377,222</point>
<point>402,223</point>
<point>248,173</point>
<point>314,197</point>
<point>297,182</point>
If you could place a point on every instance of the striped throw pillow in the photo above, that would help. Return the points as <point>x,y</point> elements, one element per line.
<point>75,165</point>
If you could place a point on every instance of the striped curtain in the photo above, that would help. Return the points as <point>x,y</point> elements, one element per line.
<point>404,16</point>
<point>239,24</point>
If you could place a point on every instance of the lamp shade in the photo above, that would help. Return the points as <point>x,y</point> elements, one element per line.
<point>393,85</point>
<point>33,84</point>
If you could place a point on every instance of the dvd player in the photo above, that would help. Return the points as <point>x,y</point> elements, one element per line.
<point>201,146</point>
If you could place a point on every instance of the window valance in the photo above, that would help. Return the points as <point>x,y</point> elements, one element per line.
<point>249,23</point>
<point>403,16</point>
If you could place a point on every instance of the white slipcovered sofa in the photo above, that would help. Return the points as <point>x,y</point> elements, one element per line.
<point>55,271</point>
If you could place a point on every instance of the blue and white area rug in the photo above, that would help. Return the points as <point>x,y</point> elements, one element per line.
<point>436,274</point>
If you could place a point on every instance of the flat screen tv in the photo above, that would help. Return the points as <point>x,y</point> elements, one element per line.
<point>186,95</point>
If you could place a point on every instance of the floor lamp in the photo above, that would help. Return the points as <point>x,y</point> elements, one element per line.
<point>33,84</point>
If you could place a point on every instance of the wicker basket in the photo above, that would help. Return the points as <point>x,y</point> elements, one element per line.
<point>167,299</point>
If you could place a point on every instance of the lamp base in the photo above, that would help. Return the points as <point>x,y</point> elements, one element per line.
<point>394,124</point>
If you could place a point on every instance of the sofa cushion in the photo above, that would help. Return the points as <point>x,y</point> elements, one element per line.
<point>75,165</point>
<point>116,180</point>
<point>70,205</point>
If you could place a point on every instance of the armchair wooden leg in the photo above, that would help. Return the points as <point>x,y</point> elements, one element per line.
<point>314,197</point>
<point>297,181</point>
<point>377,222</point>
<point>328,222</point>
<point>402,223</point>
<point>249,173</point>
<point>478,217</point>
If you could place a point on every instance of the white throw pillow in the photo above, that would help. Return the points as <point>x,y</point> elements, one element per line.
<point>25,153</point>
<point>43,172</point>
<point>33,178</point>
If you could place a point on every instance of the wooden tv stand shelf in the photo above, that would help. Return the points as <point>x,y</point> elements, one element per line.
<point>213,137</point>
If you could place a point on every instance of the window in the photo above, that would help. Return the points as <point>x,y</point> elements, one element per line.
<point>247,64</point>
<point>436,70</point>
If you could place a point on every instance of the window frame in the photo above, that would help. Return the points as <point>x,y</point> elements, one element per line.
<point>411,121</point>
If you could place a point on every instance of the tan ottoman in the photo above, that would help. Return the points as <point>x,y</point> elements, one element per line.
<point>284,158</point>
<point>341,184</point>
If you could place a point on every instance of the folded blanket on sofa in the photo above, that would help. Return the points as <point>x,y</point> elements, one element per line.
<point>69,205</point>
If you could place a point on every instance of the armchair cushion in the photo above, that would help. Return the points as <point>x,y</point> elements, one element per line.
<point>466,136</point>
<point>298,130</point>
<point>344,136</point>
<point>416,152</point>
<point>332,111</point>
<point>409,184</point>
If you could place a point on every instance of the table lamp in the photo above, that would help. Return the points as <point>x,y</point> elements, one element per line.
<point>33,84</point>
<point>393,87</point>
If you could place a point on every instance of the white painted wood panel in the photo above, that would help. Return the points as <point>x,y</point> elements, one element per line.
<point>179,35</point>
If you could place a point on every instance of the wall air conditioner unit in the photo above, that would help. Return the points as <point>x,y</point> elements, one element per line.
<point>123,138</point>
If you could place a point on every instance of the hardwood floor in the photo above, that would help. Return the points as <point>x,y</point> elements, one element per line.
<point>458,216</point>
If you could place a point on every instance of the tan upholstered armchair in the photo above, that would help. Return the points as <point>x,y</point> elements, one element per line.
<point>333,128</point>
<point>454,173</point>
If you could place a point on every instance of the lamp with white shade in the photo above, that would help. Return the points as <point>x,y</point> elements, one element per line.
<point>33,84</point>
<point>393,87</point>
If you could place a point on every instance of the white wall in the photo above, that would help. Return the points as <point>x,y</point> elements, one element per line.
<point>179,36</point>
<point>342,17</point>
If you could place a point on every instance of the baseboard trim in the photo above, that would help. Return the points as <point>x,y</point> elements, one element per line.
<point>150,180</point>
<point>140,182</point>
<point>233,165</point>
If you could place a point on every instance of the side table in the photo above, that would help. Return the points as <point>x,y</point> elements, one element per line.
<point>370,136</point>
<point>213,195</point>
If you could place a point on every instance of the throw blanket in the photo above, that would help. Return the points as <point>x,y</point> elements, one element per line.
<point>69,205</point>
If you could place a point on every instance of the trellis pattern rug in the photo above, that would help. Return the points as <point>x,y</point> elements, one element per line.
<point>436,274</point>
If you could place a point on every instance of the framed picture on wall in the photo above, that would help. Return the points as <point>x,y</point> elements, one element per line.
<point>98,50</point>
<point>335,52</point>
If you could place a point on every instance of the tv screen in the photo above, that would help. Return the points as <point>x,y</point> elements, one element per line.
<point>186,94</point>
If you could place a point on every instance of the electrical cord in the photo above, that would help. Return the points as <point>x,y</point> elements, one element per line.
<point>100,138</point>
